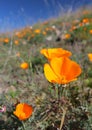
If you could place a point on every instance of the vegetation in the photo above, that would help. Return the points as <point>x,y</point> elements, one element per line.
<point>46,75</point>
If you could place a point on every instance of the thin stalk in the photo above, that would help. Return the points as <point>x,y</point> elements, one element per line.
<point>58,92</point>
<point>23,126</point>
<point>63,118</point>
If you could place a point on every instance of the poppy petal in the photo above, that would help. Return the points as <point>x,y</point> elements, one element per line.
<point>23,111</point>
<point>55,52</point>
<point>44,52</point>
<point>49,74</point>
<point>71,69</point>
<point>56,64</point>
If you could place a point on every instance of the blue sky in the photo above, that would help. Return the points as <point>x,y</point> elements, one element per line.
<point>19,13</point>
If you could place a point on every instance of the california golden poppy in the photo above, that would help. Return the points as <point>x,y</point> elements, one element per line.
<point>67,36</point>
<point>37,31</point>
<point>74,27</point>
<point>16,42</point>
<point>55,52</point>
<point>90,56</point>
<point>61,70</point>
<point>85,20</point>
<point>24,65</point>
<point>23,111</point>
<point>90,31</point>
<point>6,40</point>
<point>44,33</point>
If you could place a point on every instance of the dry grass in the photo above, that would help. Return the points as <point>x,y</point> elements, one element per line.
<point>18,85</point>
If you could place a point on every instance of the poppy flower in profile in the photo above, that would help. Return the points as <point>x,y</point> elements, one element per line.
<point>61,70</point>
<point>55,52</point>
<point>23,111</point>
<point>24,65</point>
<point>90,56</point>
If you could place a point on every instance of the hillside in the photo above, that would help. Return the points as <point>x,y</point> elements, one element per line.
<point>48,67</point>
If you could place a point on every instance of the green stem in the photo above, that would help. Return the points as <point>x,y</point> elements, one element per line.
<point>23,126</point>
<point>63,118</point>
<point>59,91</point>
<point>56,91</point>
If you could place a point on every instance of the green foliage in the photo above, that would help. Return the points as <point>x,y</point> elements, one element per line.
<point>18,85</point>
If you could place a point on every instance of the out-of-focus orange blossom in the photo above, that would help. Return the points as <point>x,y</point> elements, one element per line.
<point>90,56</point>
<point>37,31</point>
<point>16,42</point>
<point>6,40</point>
<point>90,31</point>
<point>67,36</point>
<point>24,65</point>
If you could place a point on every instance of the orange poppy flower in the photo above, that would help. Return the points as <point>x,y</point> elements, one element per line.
<point>55,52</point>
<point>80,24</point>
<point>16,42</point>
<point>44,33</point>
<point>61,70</point>
<point>45,22</point>
<point>6,40</point>
<point>37,31</point>
<point>90,56</point>
<point>67,36</point>
<point>74,27</point>
<point>47,29</point>
<point>23,111</point>
<point>90,31</point>
<point>85,20</point>
<point>24,65</point>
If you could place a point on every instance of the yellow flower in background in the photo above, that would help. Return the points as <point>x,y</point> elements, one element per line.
<point>48,29</point>
<point>44,33</point>
<point>18,34</point>
<point>85,20</point>
<point>16,42</point>
<point>90,56</point>
<point>90,31</point>
<point>61,70</point>
<point>24,65</point>
<point>23,111</point>
<point>6,40</point>
<point>67,36</point>
<point>80,24</point>
<point>37,31</point>
<point>55,52</point>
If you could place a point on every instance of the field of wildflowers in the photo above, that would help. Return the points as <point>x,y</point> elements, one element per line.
<point>46,75</point>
